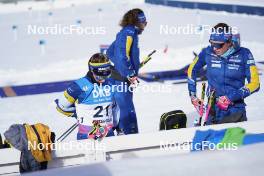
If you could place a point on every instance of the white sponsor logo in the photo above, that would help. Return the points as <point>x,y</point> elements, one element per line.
<point>250,62</point>
<point>232,68</point>
<point>216,65</point>
<point>216,61</point>
<point>101,91</point>
<point>234,60</point>
<point>85,88</point>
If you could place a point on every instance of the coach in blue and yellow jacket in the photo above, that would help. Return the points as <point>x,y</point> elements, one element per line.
<point>124,53</point>
<point>227,68</point>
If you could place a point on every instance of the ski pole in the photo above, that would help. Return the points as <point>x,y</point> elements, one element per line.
<point>116,75</point>
<point>201,109</point>
<point>69,132</point>
<point>66,133</point>
<point>147,59</point>
<point>209,106</point>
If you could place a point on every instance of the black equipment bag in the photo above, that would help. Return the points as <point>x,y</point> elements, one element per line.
<point>1,141</point>
<point>173,120</point>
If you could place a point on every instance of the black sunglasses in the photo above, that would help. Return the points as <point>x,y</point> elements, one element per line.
<point>217,45</point>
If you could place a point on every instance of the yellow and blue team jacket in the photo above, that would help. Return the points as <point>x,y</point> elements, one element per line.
<point>226,75</point>
<point>82,92</point>
<point>124,51</point>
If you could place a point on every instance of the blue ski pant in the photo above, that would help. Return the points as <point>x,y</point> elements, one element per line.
<point>128,119</point>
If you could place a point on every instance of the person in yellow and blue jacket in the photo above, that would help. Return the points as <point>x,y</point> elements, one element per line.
<point>91,100</point>
<point>228,66</point>
<point>124,53</point>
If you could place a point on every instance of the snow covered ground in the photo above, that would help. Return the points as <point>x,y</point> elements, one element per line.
<point>66,55</point>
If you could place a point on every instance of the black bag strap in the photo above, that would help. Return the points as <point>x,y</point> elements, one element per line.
<point>39,139</point>
<point>36,132</point>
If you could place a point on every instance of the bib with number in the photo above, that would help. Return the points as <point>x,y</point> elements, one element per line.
<point>94,104</point>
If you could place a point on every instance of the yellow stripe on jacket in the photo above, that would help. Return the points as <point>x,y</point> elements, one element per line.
<point>190,69</point>
<point>129,41</point>
<point>68,97</point>
<point>69,114</point>
<point>253,84</point>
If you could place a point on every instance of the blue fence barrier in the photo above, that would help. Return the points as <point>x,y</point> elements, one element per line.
<point>12,91</point>
<point>233,8</point>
